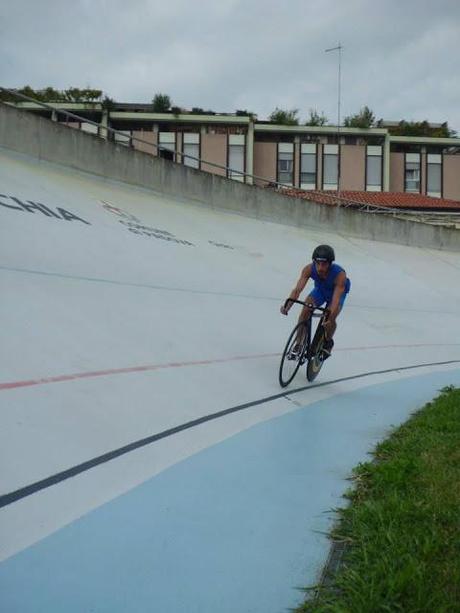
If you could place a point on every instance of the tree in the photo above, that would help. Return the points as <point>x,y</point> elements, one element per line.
<point>7,97</point>
<point>445,131</point>
<point>28,91</point>
<point>108,104</point>
<point>364,119</point>
<point>421,128</point>
<point>285,118</point>
<point>197,110</point>
<point>245,113</point>
<point>75,94</point>
<point>316,119</point>
<point>49,94</point>
<point>161,103</point>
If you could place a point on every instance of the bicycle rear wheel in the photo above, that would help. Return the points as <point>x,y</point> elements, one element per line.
<point>316,359</point>
<point>289,365</point>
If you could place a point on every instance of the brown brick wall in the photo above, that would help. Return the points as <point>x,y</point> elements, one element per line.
<point>214,149</point>
<point>265,161</point>
<point>451,177</point>
<point>353,167</point>
<point>396,172</point>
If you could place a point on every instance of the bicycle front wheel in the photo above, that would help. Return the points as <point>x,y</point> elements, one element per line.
<point>293,354</point>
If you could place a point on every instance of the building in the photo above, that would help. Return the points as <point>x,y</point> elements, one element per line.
<point>244,149</point>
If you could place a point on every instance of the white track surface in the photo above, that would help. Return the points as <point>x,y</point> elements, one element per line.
<point>147,334</point>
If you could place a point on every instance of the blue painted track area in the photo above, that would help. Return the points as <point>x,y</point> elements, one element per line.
<point>240,522</point>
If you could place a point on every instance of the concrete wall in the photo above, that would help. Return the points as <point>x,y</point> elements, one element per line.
<point>47,140</point>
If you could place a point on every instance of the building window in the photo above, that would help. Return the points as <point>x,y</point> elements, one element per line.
<point>330,167</point>
<point>191,146</point>
<point>412,172</point>
<point>308,166</point>
<point>374,168</point>
<point>121,137</point>
<point>286,163</point>
<point>236,156</point>
<point>168,142</point>
<point>434,175</point>
<point>404,148</point>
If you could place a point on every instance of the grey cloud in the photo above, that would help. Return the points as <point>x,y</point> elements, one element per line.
<point>399,58</point>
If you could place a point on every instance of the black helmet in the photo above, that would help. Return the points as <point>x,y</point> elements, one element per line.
<point>323,253</point>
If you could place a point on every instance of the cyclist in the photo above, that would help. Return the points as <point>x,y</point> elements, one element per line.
<point>331,287</point>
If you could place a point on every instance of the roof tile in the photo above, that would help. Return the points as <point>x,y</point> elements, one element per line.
<point>395,200</point>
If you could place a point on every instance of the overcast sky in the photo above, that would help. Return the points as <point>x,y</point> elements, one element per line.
<point>400,57</point>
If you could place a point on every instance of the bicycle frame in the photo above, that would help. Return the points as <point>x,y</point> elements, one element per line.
<point>322,313</point>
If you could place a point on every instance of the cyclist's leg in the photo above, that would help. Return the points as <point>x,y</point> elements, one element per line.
<point>315,298</point>
<point>329,343</point>
<point>333,327</point>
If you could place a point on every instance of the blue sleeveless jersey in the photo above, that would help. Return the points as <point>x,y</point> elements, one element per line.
<point>326,286</point>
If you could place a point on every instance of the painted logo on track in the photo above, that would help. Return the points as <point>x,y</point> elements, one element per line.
<point>223,245</point>
<point>14,203</point>
<point>132,223</point>
<point>135,225</point>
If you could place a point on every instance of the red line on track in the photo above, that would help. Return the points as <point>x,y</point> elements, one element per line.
<point>119,371</point>
<point>150,367</point>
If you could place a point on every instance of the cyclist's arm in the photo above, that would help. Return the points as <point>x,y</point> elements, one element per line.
<point>301,283</point>
<point>339,289</point>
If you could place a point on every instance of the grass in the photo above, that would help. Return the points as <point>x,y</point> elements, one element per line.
<point>402,526</point>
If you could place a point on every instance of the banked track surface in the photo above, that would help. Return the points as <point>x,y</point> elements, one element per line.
<point>98,277</point>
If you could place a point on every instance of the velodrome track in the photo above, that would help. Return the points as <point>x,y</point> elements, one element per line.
<point>149,459</point>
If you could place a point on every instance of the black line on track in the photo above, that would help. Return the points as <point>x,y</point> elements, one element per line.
<point>33,488</point>
<point>199,291</point>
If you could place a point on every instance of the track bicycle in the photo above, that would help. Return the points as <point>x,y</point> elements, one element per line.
<point>301,347</point>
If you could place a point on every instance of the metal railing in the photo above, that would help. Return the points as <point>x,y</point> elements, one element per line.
<point>158,147</point>
<point>322,197</point>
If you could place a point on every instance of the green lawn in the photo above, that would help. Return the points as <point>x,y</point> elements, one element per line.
<point>401,529</point>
